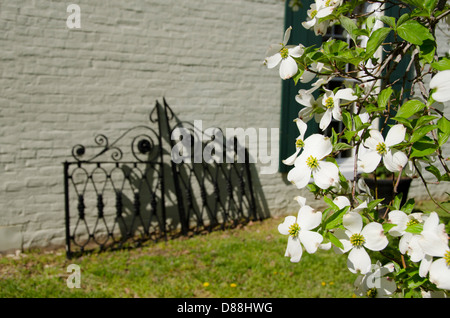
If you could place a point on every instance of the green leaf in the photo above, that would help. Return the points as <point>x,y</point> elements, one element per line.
<point>404,121</point>
<point>333,239</point>
<point>349,25</point>
<point>428,5</point>
<point>375,40</point>
<point>410,108</point>
<point>414,32</point>
<point>404,17</point>
<point>341,146</point>
<point>335,219</point>
<point>442,65</point>
<point>422,131</point>
<point>298,76</point>
<point>387,20</point>
<point>331,204</point>
<point>416,280</point>
<point>388,226</point>
<point>423,120</point>
<point>384,96</point>
<point>427,50</point>
<point>347,120</point>
<point>443,131</point>
<point>435,171</point>
<point>397,201</point>
<point>415,228</point>
<point>408,207</point>
<point>373,204</point>
<point>422,148</point>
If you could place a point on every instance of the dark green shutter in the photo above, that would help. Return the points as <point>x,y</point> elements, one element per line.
<point>289,107</point>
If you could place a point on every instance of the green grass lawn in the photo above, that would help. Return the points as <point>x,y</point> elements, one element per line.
<point>247,262</point>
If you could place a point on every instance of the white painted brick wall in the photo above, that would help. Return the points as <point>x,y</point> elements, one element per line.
<point>60,87</point>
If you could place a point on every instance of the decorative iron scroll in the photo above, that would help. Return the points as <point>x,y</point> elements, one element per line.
<point>128,191</point>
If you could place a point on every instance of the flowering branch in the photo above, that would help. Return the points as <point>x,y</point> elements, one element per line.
<point>408,142</point>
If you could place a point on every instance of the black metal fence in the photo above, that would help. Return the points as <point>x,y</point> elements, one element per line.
<point>122,193</point>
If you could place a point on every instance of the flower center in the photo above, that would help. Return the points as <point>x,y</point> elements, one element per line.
<point>328,3</point>
<point>329,102</point>
<point>284,53</point>
<point>299,143</point>
<point>313,14</point>
<point>381,148</point>
<point>312,162</point>
<point>294,229</point>
<point>357,240</point>
<point>372,293</point>
<point>447,258</point>
<point>412,222</point>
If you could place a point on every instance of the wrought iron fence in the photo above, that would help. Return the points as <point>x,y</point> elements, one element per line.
<point>122,193</point>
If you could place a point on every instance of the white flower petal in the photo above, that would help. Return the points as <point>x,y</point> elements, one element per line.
<point>440,274</point>
<point>344,239</point>
<point>294,249</point>
<point>287,35</point>
<point>299,175</point>
<point>288,68</point>
<point>425,265</point>
<point>302,126</point>
<point>346,94</point>
<point>369,161</point>
<point>441,82</point>
<point>273,60</point>
<point>359,261</point>
<point>374,236</point>
<point>376,134</point>
<point>400,219</point>
<point>395,135</point>
<point>326,175</point>
<point>296,51</point>
<point>291,159</point>
<point>341,201</point>
<point>326,119</point>
<point>305,98</point>
<point>309,23</point>
<point>337,112</point>
<point>353,222</point>
<point>307,77</point>
<point>308,218</point>
<point>318,146</point>
<point>283,228</point>
<point>310,240</point>
<point>324,12</point>
<point>395,160</point>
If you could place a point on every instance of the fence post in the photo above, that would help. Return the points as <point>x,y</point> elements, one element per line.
<point>66,209</point>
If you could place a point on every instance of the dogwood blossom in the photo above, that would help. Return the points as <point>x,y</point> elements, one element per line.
<point>440,83</point>
<point>320,9</point>
<point>284,54</point>
<point>431,241</point>
<point>440,271</point>
<point>402,221</point>
<point>376,148</point>
<point>375,284</point>
<point>299,142</point>
<point>299,231</point>
<point>311,161</point>
<point>331,103</point>
<point>356,239</point>
<point>306,98</point>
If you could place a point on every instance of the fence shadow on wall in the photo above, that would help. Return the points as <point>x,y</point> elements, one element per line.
<point>123,193</point>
